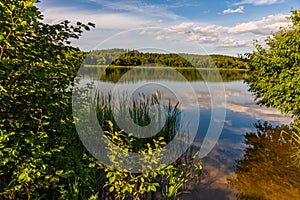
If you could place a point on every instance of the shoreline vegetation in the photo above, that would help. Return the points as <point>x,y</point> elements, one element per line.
<point>116,58</point>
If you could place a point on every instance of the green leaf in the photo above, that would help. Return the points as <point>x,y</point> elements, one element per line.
<point>124,189</point>
<point>111,189</point>
<point>22,176</point>
<point>109,174</point>
<point>45,123</point>
<point>58,173</point>
<point>153,188</point>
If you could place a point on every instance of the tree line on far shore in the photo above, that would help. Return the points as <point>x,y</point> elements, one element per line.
<point>127,57</point>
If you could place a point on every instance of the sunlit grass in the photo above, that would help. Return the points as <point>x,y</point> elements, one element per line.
<point>295,142</point>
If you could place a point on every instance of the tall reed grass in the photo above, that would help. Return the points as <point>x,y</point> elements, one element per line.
<point>107,107</point>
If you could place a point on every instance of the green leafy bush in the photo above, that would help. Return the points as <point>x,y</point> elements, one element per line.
<point>40,153</point>
<point>274,71</point>
<point>166,182</point>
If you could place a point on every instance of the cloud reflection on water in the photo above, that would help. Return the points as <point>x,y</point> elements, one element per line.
<point>242,113</point>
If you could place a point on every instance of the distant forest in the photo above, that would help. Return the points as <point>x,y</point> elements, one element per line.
<point>126,57</point>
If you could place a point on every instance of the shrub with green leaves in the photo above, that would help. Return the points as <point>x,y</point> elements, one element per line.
<point>166,182</point>
<point>274,71</point>
<point>40,153</point>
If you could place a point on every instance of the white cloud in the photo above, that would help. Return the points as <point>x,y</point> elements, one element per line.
<point>264,26</point>
<point>101,19</point>
<point>180,28</point>
<point>203,38</point>
<point>190,31</point>
<point>257,2</point>
<point>240,9</point>
<point>229,43</point>
<point>205,34</point>
<point>113,14</point>
<point>208,29</point>
<point>222,37</point>
<point>164,38</point>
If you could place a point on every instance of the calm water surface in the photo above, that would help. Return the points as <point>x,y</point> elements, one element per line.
<point>241,114</point>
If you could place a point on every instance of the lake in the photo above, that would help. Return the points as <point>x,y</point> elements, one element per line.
<point>238,105</point>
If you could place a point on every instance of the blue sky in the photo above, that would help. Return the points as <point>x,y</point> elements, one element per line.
<point>212,27</point>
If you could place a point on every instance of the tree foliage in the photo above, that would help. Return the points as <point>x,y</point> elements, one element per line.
<point>40,153</point>
<point>274,71</point>
<point>41,156</point>
<point>126,57</point>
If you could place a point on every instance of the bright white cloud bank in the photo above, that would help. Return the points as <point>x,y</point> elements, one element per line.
<point>222,37</point>
<point>264,26</point>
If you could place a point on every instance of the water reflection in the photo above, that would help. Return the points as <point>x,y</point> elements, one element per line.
<point>241,114</point>
<point>266,171</point>
<point>114,74</point>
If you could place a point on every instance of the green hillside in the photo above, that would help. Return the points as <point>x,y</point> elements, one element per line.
<point>125,57</point>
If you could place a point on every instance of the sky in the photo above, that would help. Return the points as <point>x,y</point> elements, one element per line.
<point>178,26</point>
